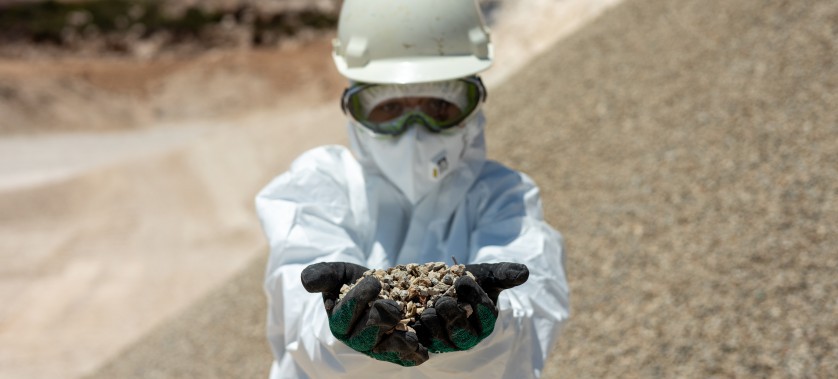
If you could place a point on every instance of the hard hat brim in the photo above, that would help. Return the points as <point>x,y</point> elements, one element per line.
<point>415,70</point>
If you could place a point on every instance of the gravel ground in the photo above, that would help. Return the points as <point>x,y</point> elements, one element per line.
<point>687,151</point>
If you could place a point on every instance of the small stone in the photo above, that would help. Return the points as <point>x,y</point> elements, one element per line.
<point>450,292</point>
<point>457,269</point>
<point>410,309</point>
<point>468,309</point>
<point>416,287</point>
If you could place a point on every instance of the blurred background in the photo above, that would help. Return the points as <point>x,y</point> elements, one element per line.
<point>133,137</point>
<point>687,150</point>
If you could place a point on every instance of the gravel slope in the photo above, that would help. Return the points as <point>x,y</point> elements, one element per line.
<point>688,153</point>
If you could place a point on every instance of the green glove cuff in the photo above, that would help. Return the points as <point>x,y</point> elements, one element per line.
<point>487,320</point>
<point>362,341</point>
<point>438,347</point>
<point>462,338</point>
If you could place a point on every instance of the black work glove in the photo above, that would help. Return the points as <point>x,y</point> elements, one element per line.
<point>459,324</point>
<point>359,320</point>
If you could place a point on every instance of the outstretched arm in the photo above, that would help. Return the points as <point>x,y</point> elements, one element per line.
<point>512,229</point>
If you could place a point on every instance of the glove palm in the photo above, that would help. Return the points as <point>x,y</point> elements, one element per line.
<point>358,319</point>
<point>461,323</point>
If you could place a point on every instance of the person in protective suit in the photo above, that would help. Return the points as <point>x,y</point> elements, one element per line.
<point>415,187</point>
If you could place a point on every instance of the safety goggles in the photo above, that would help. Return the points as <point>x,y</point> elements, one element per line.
<point>391,109</point>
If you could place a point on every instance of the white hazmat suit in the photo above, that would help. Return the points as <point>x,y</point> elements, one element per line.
<point>421,197</point>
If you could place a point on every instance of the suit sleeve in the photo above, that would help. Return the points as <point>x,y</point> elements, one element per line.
<point>511,228</point>
<point>307,217</point>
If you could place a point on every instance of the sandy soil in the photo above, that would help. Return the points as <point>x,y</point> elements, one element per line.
<point>126,184</point>
<point>104,233</point>
<point>113,252</point>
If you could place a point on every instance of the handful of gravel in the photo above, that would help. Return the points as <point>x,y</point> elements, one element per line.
<point>415,287</point>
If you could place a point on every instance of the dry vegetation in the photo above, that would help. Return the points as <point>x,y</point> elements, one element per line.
<point>100,66</point>
<point>149,28</point>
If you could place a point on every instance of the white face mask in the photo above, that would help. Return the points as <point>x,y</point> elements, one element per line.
<point>418,160</point>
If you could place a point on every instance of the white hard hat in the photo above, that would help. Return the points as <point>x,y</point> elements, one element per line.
<point>411,41</point>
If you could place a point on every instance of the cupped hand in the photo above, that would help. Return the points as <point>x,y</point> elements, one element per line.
<point>359,319</point>
<point>461,323</point>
